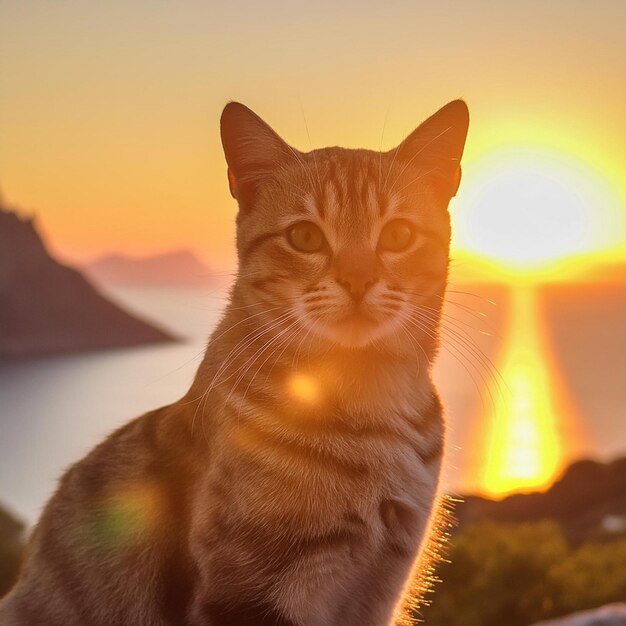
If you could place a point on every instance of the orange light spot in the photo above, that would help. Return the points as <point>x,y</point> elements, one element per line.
<point>304,388</point>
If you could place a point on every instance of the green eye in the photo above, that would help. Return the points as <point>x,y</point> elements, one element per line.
<point>306,237</point>
<point>396,236</point>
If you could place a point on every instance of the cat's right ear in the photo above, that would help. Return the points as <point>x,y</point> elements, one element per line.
<point>252,149</point>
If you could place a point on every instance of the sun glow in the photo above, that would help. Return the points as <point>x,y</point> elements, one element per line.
<point>526,209</point>
<point>528,214</point>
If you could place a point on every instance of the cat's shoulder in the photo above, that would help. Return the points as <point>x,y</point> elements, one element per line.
<point>153,450</point>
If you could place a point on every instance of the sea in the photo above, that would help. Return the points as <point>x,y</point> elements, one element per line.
<point>53,410</point>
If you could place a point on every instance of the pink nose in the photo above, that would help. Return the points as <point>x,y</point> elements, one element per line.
<point>356,270</point>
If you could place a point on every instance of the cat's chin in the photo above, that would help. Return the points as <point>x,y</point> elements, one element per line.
<point>356,331</point>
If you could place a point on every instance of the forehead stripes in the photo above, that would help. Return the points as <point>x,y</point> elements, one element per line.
<point>350,199</point>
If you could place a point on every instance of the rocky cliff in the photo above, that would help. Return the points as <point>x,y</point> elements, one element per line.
<point>48,308</point>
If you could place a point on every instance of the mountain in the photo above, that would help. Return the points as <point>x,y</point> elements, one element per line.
<point>179,267</point>
<point>588,502</point>
<point>48,308</point>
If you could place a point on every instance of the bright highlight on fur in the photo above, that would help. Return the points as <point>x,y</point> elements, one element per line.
<point>304,388</point>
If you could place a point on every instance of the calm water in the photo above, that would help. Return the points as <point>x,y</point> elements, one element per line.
<point>53,410</point>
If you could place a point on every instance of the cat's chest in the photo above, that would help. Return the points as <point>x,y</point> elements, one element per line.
<point>385,478</point>
<point>333,509</point>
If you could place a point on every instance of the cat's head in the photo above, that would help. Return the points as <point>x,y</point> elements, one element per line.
<point>350,246</point>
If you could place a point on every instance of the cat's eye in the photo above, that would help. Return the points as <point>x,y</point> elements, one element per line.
<point>396,236</point>
<point>306,237</point>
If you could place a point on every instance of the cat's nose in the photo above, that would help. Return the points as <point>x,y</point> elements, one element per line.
<point>356,270</point>
<point>356,286</point>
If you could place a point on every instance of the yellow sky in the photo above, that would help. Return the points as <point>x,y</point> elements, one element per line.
<point>109,111</point>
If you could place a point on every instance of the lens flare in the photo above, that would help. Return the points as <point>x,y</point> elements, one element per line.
<point>304,388</point>
<point>127,515</point>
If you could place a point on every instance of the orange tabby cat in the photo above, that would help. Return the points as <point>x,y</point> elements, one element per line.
<point>295,482</point>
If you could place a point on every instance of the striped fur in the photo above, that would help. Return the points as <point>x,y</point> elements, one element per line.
<point>295,482</point>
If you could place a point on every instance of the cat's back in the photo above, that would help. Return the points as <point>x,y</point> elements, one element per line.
<point>106,537</point>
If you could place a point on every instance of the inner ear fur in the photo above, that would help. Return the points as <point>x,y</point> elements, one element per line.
<point>436,146</point>
<point>253,150</point>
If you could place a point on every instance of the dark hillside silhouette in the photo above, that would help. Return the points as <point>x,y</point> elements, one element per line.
<point>588,502</point>
<point>48,308</point>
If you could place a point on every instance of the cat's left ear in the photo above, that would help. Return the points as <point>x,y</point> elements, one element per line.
<point>253,151</point>
<point>435,148</point>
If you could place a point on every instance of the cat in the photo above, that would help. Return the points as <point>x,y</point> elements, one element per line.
<point>295,483</point>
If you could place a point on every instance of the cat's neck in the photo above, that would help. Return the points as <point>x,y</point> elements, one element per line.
<point>243,360</point>
<point>368,380</point>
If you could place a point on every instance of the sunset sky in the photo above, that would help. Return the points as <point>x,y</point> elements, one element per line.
<point>109,112</point>
<point>109,134</point>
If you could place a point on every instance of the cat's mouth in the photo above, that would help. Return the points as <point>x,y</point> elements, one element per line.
<point>356,324</point>
<point>357,316</point>
<point>357,328</point>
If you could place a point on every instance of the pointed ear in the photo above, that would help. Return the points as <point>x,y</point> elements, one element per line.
<point>252,149</point>
<point>436,147</point>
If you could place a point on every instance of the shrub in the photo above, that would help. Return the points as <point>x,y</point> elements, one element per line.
<point>510,574</point>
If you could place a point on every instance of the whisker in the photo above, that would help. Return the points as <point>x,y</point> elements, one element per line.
<point>410,184</point>
<point>234,353</point>
<point>306,126</point>
<point>301,162</point>
<point>462,358</point>
<point>491,369</point>
<point>253,359</point>
<point>380,147</point>
<point>258,351</point>
<point>418,152</point>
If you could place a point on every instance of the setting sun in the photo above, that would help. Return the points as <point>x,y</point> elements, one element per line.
<point>313,313</point>
<point>525,209</point>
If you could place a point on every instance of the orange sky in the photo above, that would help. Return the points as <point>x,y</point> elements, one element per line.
<point>109,111</point>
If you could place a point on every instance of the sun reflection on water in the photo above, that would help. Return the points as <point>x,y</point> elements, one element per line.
<point>525,450</point>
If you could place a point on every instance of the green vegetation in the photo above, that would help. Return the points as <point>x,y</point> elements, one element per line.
<point>516,574</point>
<point>495,574</point>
